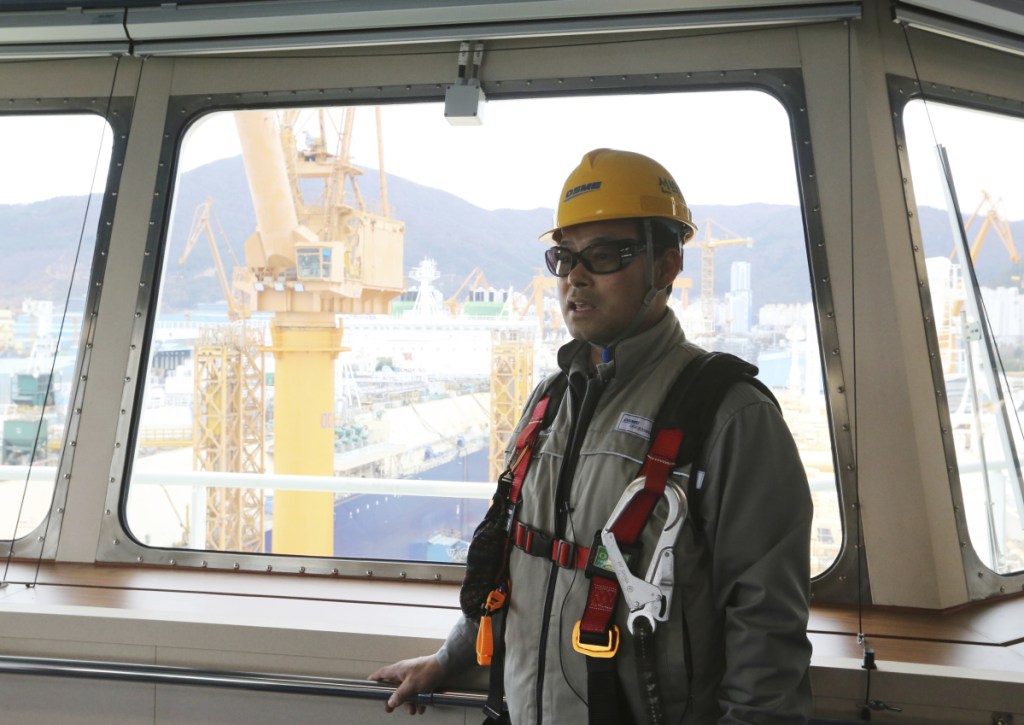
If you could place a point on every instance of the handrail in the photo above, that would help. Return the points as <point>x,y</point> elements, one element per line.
<point>279,482</point>
<point>262,681</point>
<point>294,482</point>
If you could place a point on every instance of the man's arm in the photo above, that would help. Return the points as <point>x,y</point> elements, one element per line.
<point>423,674</point>
<point>761,566</point>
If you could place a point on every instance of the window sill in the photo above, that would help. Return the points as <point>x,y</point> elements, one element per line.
<point>345,628</point>
<point>217,620</point>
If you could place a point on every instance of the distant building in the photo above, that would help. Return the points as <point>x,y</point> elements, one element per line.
<point>740,299</point>
<point>1005,307</point>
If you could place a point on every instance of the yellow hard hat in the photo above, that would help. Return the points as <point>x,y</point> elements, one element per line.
<point>611,184</point>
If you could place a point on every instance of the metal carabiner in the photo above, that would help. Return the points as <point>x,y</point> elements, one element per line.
<point>650,597</point>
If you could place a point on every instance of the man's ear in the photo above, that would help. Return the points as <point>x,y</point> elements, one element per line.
<point>667,266</point>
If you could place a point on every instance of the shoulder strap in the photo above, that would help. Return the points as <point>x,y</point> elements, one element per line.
<point>540,416</point>
<point>540,412</point>
<point>691,405</point>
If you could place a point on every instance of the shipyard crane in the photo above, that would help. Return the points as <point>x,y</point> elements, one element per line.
<point>994,219</point>
<point>474,280</point>
<point>542,287</point>
<point>229,430</point>
<point>511,385</point>
<point>990,211</point>
<point>229,394</point>
<point>208,437</point>
<point>308,261</point>
<point>707,246</point>
<point>239,306</point>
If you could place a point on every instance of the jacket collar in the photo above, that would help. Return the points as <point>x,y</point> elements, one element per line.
<point>632,354</point>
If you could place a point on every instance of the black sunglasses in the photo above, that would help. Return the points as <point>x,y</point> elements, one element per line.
<point>598,258</point>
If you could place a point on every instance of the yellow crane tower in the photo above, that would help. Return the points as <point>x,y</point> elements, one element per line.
<point>228,433</point>
<point>511,385</point>
<point>707,247</point>
<point>308,262</point>
<point>512,354</point>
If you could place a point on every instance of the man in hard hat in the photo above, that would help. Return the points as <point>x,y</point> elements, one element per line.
<point>729,644</point>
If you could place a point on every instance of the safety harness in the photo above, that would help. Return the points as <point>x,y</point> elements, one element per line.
<point>678,434</point>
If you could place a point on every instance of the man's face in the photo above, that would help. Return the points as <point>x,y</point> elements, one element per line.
<point>599,307</point>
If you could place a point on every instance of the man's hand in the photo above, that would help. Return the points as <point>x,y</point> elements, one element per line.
<point>413,676</point>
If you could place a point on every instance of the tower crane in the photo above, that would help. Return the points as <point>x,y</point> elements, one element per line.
<point>707,247</point>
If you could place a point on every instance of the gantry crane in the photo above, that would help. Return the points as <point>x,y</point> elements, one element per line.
<point>707,247</point>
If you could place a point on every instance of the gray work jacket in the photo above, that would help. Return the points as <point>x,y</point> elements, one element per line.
<point>740,606</point>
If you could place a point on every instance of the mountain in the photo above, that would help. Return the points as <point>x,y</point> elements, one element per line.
<point>456,234</point>
<point>41,243</point>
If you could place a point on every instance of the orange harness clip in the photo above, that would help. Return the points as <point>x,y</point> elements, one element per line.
<point>484,635</point>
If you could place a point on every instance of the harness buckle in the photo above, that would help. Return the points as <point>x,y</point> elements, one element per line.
<point>601,651</point>
<point>520,535</point>
<point>563,553</point>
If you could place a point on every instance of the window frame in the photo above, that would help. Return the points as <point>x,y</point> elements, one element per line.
<point>981,581</point>
<point>785,85</point>
<point>41,542</point>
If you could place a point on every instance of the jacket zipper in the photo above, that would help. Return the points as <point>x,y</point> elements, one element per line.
<point>578,425</point>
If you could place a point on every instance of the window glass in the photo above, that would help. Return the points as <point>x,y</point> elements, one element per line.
<point>976,294</point>
<point>52,176</point>
<point>342,382</point>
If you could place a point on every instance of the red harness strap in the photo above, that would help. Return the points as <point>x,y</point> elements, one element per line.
<point>524,449</point>
<point>520,461</point>
<point>595,628</point>
<point>490,642</point>
<point>536,543</point>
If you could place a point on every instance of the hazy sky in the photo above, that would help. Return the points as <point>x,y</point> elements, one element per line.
<point>985,150</point>
<point>522,152</point>
<point>723,148</point>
